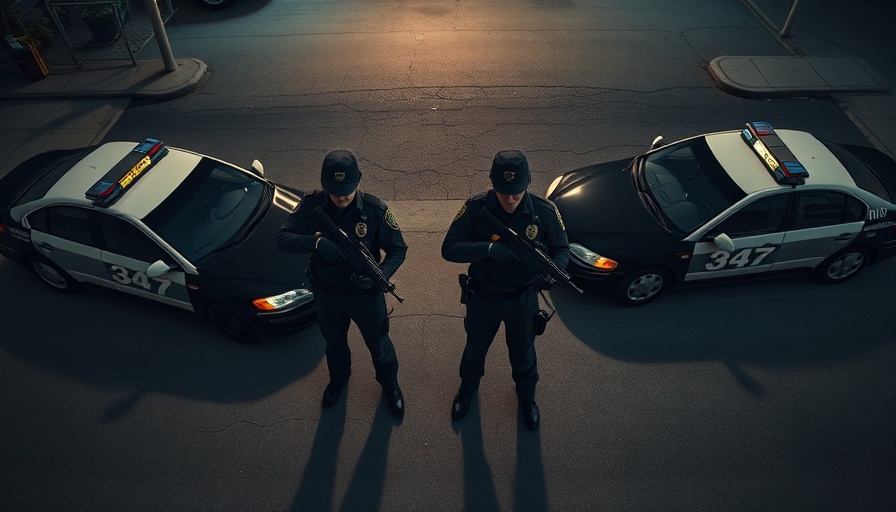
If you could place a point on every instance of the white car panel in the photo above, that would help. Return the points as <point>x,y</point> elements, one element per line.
<point>154,186</point>
<point>739,160</point>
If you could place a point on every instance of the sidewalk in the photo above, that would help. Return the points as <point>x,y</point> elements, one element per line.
<point>146,80</point>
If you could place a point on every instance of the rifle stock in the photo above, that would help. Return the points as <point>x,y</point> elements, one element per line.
<point>359,255</point>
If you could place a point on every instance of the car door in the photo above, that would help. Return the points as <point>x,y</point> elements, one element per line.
<point>128,252</point>
<point>757,231</point>
<point>825,221</point>
<point>65,236</point>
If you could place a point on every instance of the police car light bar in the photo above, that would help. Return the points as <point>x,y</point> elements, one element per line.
<point>777,157</point>
<point>111,187</point>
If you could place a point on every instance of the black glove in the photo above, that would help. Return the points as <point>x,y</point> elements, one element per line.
<point>363,282</point>
<point>503,255</point>
<point>331,251</point>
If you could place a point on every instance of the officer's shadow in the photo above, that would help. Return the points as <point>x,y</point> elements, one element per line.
<point>365,490</point>
<point>479,488</point>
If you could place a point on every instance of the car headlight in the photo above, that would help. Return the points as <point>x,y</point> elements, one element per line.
<point>591,258</point>
<point>553,185</point>
<point>283,300</point>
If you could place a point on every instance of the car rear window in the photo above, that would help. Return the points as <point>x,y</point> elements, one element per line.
<point>51,175</point>
<point>865,178</point>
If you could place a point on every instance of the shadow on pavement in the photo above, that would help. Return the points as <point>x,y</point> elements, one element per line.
<point>365,490</point>
<point>789,321</point>
<point>121,343</point>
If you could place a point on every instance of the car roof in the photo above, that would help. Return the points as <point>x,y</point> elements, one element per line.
<point>748,171</point>
<point>139,199</point>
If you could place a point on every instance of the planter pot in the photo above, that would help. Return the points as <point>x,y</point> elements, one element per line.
<point>26,56</point>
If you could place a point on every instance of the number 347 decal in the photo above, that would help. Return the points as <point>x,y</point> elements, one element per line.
<point>137,279</point>
<point>748,257</point>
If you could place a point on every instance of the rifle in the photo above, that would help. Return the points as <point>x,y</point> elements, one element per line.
<point>358,254</point>
<point>534,253</point>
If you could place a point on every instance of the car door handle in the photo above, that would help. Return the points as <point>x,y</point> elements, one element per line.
<point>844,237</point>
<point>45,247</point>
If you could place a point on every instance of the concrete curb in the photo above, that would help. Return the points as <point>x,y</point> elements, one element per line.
<point>789,76</point>
<point>146,80</point>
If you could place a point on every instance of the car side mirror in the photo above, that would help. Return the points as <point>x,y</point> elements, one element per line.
<point>157,269</point>
<point>257,168</point>
<point>657,142</point>
<point>724,242</point>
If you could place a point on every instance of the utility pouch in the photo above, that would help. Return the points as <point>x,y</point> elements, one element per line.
<point>465,291</point>
<point>540,321</point>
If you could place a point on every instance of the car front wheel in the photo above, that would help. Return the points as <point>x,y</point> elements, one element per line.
<point>215,4</point>
<point>54,276</point>
<point>641,286</point>
<point>843,265</point>
<point>234,324</point>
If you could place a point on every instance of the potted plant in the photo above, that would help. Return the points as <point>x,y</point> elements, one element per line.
<point>22,36</point>
<point>100,19</point>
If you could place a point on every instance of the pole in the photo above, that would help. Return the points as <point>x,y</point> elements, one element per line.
<point>158,27</point>
<point>790,17</point>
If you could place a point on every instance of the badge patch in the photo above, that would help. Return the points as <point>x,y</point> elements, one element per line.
<point>360,229</point>
<point>460,212</point>
<point>509,176</point>
<point>339,175</point>
<point>390,219</point>
<point>532,231</point>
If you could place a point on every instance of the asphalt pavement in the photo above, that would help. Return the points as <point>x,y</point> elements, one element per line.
<point>76,108</point>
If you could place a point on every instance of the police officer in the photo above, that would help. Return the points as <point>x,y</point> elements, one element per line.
<point>504,288</point>
<point>342,295</point>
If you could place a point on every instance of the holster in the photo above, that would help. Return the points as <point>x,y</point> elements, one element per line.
<point>465,291</point>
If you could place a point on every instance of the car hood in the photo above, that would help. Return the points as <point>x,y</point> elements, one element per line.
<point>603,211</point>
<point>255,264</point>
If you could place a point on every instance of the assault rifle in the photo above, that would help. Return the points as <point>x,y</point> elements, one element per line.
<point>358,254</point>
<point>532,252</point>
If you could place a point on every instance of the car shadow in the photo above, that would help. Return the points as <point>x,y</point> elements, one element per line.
<point>192,11</point>
<point>139,347</point>
<point>790,321</point>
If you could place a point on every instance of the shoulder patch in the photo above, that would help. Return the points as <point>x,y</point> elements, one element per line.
<point>460,212</point>
<point>390,219</point>
<point>559,218</point>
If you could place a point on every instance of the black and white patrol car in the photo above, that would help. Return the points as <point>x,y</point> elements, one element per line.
<point>162,223</point>
<point>727,205</point>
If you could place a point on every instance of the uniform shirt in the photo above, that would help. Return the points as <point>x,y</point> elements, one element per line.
<point>468,239</point>
<point>367,219</point>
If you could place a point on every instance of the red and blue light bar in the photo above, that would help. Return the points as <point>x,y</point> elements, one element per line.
<point>121,176</point>
<point>777,157</point>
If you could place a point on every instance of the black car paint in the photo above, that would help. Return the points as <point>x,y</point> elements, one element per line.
<point>237,276</point>
<point>636,239</point>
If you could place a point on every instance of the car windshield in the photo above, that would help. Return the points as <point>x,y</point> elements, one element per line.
<point>687,183</point>
<point>210,209</point>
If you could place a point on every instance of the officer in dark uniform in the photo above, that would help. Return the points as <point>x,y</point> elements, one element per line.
<point>341,295</point>
<point>504,288</point>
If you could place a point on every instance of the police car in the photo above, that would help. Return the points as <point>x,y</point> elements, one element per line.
<point>726,206</point>
<point>161,223</point>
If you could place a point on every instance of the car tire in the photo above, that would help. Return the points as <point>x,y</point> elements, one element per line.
<point>234,324</point>
<point>52,275</point>
<point>842,266</point>
<point>215,4</point>
<point>641,286</point>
